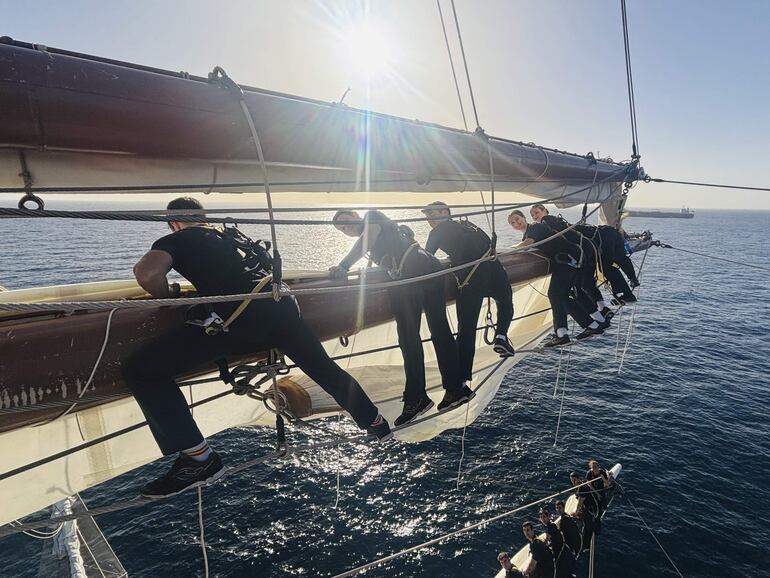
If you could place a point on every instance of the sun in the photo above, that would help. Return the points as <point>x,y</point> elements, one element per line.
<point>369,50</point>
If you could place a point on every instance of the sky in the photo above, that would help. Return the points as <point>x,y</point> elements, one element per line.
<point>551,72</point>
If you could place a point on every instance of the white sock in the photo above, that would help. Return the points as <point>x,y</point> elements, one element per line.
<point>199,453</point>
<point>594,325</point>
<point>598,316</point>
<point>600,305</point>
<point>501,336</point>
<point>561,332</point>
<point>377,420</point>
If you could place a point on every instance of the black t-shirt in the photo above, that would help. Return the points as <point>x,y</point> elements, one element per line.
<point>591,503</point>
<point>513,573</point>
<point>554,534</point>
<point>541,231</point>
<point>204,257</point>
<point>390,244</point>
<point>542,555</point>
<point>599,482</point>
<point>462,241</point>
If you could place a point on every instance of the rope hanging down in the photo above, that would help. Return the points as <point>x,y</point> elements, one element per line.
<point>452,64</point>
<point>465,64</point>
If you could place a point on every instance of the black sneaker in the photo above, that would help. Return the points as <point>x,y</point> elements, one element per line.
<point>380,430</point>
<point>413,410</point>
<point>608,314</point>
<point>455,397</point>
<point>185,473</point>
<point>556,341</point>
<point>588,332</point>
<point>502,347</point>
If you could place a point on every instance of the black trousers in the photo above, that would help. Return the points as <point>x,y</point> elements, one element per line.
<point>407,303</point>
<point>489,280</point>
<point>613,251</point>
<point>563,302</point>
<point>264,325</point>
<point>588,293</point>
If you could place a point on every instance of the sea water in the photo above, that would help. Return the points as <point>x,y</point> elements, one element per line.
<point>687,417</point>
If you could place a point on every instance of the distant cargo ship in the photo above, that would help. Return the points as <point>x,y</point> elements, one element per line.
<point>683,213</point>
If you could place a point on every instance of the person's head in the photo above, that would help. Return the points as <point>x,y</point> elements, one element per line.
<point>349,223</point>
<point>574,478</point>
<point>517,220</point>
<point>186,204</point>
<point>505,560</point>
<point>537,212</point>
<point>560,507</point>
<point>593,465</point>
<point>544,517</point>
<point>529,530</point>
<point>437,211</point>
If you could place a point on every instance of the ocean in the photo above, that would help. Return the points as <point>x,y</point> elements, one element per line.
<point>687,417</point>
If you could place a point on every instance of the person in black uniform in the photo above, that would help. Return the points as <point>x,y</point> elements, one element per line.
<point>587,293</point>
<point>588,507</point>
<point>211,261</point>
<point>569,529</point>
<point>564,562</point>
<point>600,482</point>
<point>564,261</point>
<point>541,565</point>
<point>391,247</point>
<point>465,242</point>
<point>511,571</point>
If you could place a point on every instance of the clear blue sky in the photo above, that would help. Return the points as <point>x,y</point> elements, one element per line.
<point>549,71</point>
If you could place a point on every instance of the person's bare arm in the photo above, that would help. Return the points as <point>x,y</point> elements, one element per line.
<point>151,271</point>
<point>524,243</point>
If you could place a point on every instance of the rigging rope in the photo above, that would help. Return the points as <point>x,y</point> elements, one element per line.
<point>734,262</point>
<point>465,64</point>
<point>630,83</point>
<point>202,533</point>
<point>649,179</point>
<point>150,303</point>
<point>452,64</point>
<point>448,535</point>
<point>654,537</point>
<point>633,315</point>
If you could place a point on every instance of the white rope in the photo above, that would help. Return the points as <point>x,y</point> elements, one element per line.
<point>654,537</point>
<point>203,537</point>
<point>452,63</point>
<point>462,446</point>
<point>563,391</point>
<point>150,303</point>
<point>633,315</point>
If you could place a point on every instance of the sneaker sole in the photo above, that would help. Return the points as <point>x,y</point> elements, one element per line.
<point>415,416</point>
<point>502,352</point>
<point>459,402</point>
<point>214,477</point>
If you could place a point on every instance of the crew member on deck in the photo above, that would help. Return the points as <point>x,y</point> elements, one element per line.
<point>511,571</point>
<point>464,242</point>
<point>569,529</point>
<point>563,262</point>
<point>562,557</point>
<point>393,248</point>
<point>541,565</point>
<point>587,293</point>
<point>213,263</point>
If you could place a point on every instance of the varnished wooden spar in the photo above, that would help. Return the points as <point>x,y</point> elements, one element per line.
<point>56,104</point>
<point>47,358</point>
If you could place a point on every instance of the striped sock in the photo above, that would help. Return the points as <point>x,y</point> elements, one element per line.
<point>199,453</point>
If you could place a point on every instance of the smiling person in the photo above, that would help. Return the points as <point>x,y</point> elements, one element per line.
<point>563,259</point>
<point>395,249</point>
<point>541,564</point>
<point>217,263</point>
<point>464,242</point>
